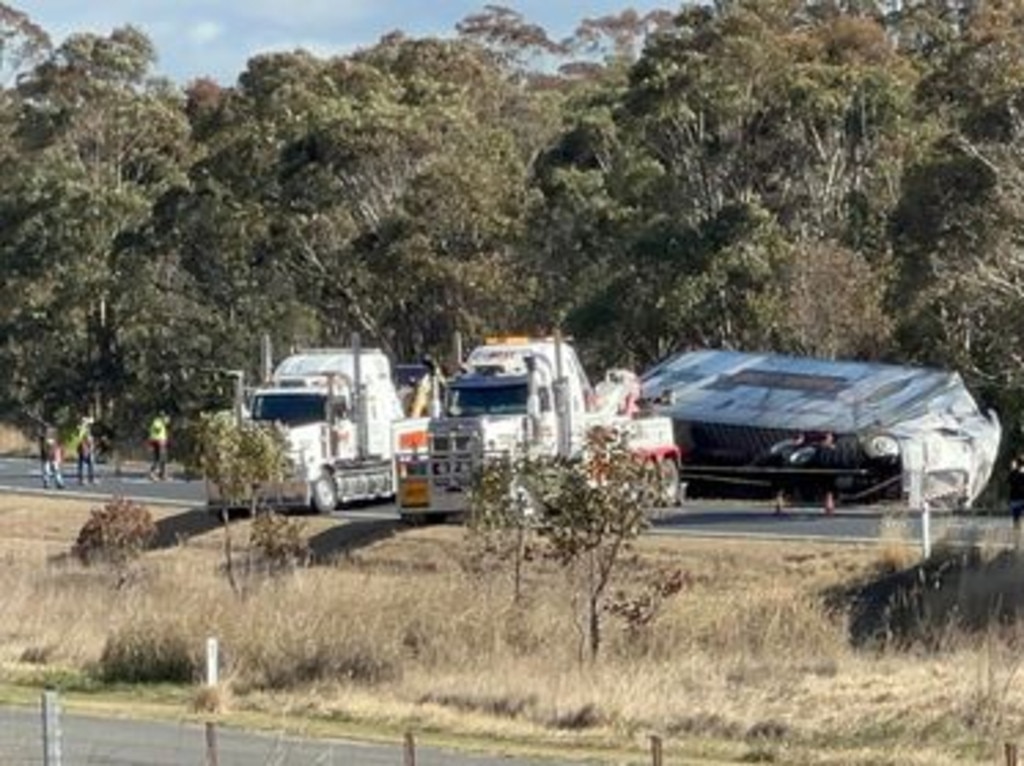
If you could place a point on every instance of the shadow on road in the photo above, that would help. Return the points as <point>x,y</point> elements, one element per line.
<point>325,546</point>
<point>171,531</point>
<point>350,536</point>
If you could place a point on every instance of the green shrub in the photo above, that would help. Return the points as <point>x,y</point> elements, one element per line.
<point>279,540</point>
<point>148,654</point>
<point>115,533</point>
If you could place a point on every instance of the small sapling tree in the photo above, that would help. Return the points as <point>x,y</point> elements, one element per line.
<point>586,510</point>
<point>502,516</point>
<point>236,458</point>
<point>593,509</point>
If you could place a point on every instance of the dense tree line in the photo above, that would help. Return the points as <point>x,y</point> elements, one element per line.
<point>835,179</point>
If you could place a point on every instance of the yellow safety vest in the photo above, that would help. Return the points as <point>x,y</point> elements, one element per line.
<point>83,438</point>
<point>158,430</point>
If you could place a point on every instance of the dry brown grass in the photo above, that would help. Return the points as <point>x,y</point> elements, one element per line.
<point>746,663</point>
<point>211,699</point>
<point>14,441</point>
<point>896,550</point>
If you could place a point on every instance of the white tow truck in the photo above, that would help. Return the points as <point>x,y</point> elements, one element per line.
<point>344,424</point>
<point>527,396</point>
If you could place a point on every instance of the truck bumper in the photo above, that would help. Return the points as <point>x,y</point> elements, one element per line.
<point>291,494</point>
<point>419,499</point>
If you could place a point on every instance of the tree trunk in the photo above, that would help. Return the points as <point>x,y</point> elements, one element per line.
<point>517,585</point>
<point>594,589</point>
<point>229,566</point>
<point>594,626</point>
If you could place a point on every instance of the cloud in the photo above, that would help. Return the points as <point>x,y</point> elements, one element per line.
<point>204,32</point>
<point>303,14</point>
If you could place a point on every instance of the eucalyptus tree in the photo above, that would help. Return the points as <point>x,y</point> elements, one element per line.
<point>956,230</point>
<point>749,137</point>
<point>95,142</point>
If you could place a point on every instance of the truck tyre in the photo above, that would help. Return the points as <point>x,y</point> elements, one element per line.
<point>324,493</point>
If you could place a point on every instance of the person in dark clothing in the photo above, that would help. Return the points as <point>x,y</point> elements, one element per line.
<point>826,458</point>
<point>1016,483</point>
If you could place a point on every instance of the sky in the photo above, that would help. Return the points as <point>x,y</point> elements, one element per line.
<point>215,38</point>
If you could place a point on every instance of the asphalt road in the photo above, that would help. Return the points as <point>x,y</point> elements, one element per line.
<point>18,474</point>
<point>694,518</point>
<point>92,741</point>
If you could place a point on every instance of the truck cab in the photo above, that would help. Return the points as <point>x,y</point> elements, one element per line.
<point>343,421</point>
<point>516,397</point>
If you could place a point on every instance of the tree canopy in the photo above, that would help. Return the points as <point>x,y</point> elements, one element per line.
<point>841,180</point>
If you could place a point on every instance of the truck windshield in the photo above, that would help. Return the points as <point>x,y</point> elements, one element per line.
<point>291,409</point>
<point>487,400</point>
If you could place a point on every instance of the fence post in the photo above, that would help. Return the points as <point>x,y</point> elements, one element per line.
<point>410,750</point>
<point>656,758</point>
<point>211,744</point>
<point>51,729</point>
<point>1010,750</point>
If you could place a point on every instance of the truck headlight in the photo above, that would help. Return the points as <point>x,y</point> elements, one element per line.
<point>881,446</point>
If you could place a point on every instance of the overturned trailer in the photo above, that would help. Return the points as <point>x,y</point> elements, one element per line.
<point>759,424</point>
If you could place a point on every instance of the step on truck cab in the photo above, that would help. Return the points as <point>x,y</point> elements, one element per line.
<point>344,424</point>
<point>526,396</point>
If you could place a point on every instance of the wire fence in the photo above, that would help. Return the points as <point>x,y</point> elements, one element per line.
<point>53,738</point>
<point>49,736</point>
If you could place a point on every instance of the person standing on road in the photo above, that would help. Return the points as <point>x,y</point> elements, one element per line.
<point>41,429</point>
<point>52,455</point>
<point>158,428</point>
<point>86,447</point>
<point>1016,486</point>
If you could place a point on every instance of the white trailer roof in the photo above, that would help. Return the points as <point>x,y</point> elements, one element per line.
<point>801,393</point>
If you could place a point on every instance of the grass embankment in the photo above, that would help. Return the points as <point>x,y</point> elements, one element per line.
<point>14,441</point>
<point>746,663</point>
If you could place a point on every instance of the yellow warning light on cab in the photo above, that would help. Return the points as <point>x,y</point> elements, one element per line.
<point>507,340</point>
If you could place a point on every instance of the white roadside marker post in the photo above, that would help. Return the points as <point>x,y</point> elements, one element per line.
<point>212,663</point>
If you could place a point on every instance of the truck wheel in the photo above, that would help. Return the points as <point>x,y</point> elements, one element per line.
<point>325,495</point>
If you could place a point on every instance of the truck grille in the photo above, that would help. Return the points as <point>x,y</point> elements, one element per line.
<point>452,460</point>
<point>453,443</point>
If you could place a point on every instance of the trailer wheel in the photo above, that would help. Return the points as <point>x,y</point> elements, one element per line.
<point>325,495</point>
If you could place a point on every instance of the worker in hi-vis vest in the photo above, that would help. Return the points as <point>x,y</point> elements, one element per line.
<point>85,446</point>
<point>158,443</point>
